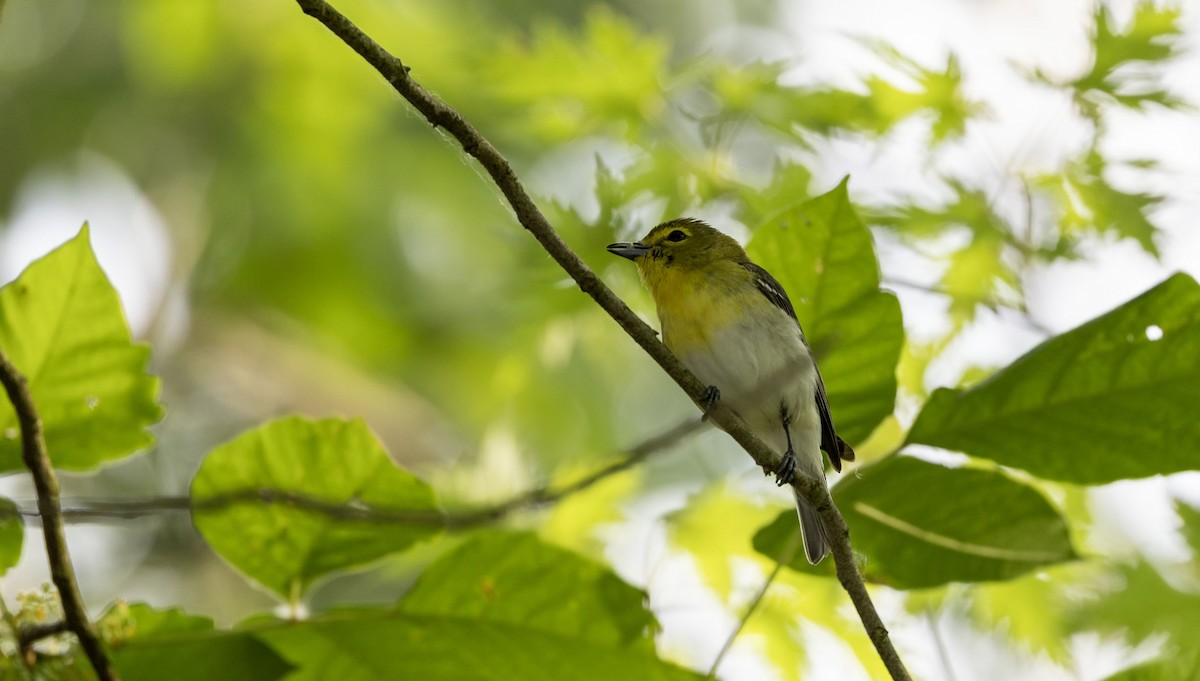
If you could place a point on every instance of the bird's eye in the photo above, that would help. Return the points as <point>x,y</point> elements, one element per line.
<point>677,235</point>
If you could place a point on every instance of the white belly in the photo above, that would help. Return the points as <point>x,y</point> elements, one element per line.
<point>758,376</point>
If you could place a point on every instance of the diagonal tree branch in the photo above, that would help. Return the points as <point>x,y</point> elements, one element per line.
<point>33,450</point>
<point>441,115</point>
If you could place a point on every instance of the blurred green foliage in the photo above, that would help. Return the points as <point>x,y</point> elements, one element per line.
<point>312,215</point>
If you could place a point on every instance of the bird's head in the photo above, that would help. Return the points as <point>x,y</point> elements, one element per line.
<point>684,246</point>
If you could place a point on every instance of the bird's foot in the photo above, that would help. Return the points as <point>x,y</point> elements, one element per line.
<point>711,395</point>
<point>786,472</point>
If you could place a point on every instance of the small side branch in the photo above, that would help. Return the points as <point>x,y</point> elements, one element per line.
<point>33,451</point>
<point>100,509</point>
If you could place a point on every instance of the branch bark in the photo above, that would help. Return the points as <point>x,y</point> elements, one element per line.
<point>544,495</point>
<point>62,573</point>
<point>439,114</point>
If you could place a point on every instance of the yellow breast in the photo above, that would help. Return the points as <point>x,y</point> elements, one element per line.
<point>693,305</point>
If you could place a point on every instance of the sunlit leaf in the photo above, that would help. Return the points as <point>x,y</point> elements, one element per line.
<point>62,326</point>
<point>573,522</point>
<point>919,524</point>
<point>12,534</point>
<point>471,609</point>
<point>382,646</point>
<point>1176,665</point>
<point>788,187</point>
<point>1151,37</point>
<point>1032,610</point>
<point>623,86</point>
<point>283,546</point>
<point>1089,202</point>
<point>1108,400</point>
<point>976,273</point>
<point>153,643</point>
<point>1190,517</point>
<point>707,529</point>
<point>823,255</point>
<point>515,579</point>
<point>754,91</point>
<point>1139,603</point>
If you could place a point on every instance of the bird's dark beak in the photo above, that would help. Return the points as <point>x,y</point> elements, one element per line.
<point>629,249</point>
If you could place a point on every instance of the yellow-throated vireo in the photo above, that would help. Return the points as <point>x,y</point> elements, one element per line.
<point>731,323</point>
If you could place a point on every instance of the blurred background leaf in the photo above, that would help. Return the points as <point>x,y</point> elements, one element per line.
<point>12,534</point>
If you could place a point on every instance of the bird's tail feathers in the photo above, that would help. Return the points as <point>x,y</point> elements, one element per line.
<point>845,451</point>
<point>816,545</point>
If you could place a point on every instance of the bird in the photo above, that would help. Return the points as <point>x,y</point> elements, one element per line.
<point>732,324</point>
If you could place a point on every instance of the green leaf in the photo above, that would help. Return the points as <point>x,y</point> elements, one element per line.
<point>513,578</point>
<point>62,326</point>
<point>1140,603</point>
<point>1089,202</point>
<point>332,461</point>
<point>156,644</point>
<point>920,525</point>
<point>1190,517</point>
<point>12,534</point>
<point>400,646</point>
<point>713,527</point>
<point>500,606</point>
<point>1152,36</point>
<point>1176,666</point>
<point>1111,399</point>
<point>755,92</point>
<point>1032,611</point>
<point>976,273</point>
<point>822,254</point>
<point>623,90</point>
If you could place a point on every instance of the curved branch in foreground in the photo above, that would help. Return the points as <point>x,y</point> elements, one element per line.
<point>441,115</point>
<point>33,450</point>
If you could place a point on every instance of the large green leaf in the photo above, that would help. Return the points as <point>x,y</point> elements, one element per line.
<point>12,534</point>
<point>500,606</point>
<point>286,547</point>
<point>516,579</point>
<point>1114,398</point>
<point>919,524</point>
<point>62,325</point>
<point>159,644</point>
<point>823,255</point>
<point>403,647</point>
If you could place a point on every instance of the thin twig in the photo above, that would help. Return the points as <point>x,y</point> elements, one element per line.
<point>30,634</point>
<point>943,653</point>
<point>473,143</point>
<point>784,558</point>
<point>541,496</point>
<point>33,450</point>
